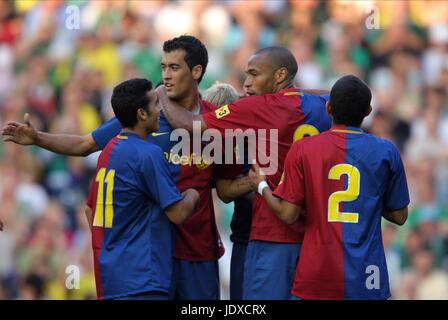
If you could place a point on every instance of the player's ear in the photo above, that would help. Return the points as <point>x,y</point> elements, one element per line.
<point>328,107</point>
<point>142,114</point>
<point>281,75</point>
<point>197,72</point>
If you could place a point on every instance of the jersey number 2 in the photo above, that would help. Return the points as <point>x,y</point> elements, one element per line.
<point>104,209</point>
<point>350,194</point>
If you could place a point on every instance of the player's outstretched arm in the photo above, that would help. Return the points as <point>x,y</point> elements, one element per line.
<point>26,134</point>
<point>285,211</point>
<point>397,216</point>
<point>177,116</point>
<point>181,210</point>
<point>231,189</point>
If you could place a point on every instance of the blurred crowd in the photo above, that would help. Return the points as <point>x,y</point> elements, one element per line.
<point>60,67</point>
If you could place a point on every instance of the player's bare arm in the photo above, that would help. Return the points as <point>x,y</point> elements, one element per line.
<point>231,189</point>
<point>397,216</point>
<point>285,211</point>
<point>181,210</point>
<point>177,116</point>
<point>25,134</point>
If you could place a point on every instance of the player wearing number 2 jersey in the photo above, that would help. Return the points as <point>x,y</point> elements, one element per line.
<point>132,199</point>
<point>347,180</point>
<point>274,247</point>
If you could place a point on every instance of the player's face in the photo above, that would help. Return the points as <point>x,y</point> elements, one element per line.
<point>177,76</point>
<point>259,77</point>
<point>153,112</point>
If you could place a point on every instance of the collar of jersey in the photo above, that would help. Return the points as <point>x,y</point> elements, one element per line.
<point>291,92</point>
<point>125,135</point>
<point>345,129</point>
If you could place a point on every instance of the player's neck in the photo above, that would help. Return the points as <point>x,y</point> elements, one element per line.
<point>191,101</point>
<point>285,85</point>
<point>140,131</point>
<point>343,126</point>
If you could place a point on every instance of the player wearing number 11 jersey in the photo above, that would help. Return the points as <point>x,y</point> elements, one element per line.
<point>347,180</point>
<point>133,198</point>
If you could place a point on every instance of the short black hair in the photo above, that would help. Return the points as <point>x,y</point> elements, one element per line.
<point>280,57</point>
<point>350,99</point>
<point>127,98</point>
<point>196,51</point>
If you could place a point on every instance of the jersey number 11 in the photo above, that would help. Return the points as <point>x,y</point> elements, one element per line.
<point>104,208</point>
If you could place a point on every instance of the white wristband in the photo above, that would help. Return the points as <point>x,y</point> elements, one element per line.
<point>263,184</point>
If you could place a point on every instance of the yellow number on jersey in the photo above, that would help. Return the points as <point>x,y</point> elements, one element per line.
<point>350,194</point>
<point>300,133</point>
<point>102,177</point>
<point>305,130</point>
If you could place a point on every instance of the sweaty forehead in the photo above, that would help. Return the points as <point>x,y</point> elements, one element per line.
<point>174,57</point>
<point>259,62</point>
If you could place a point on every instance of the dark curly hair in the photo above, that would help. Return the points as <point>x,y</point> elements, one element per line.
<point>196,51</point>
<point>128,97</point>
<point>350,101</point>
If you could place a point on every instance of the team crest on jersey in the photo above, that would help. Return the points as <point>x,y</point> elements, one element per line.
<point>204,164</point>
<point>222,112</point>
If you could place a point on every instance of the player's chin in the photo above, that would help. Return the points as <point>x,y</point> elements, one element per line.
<point>172,95</point>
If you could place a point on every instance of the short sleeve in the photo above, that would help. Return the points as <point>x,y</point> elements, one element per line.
<point>238,115</point>
<point>106,132</point>
<point>292,186</point>
<point>156,178</point>
<point>397,193</point>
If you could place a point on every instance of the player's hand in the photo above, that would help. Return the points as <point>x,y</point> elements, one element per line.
<point>161,94</point>
<point>256,175</point>
<point>20,133</point>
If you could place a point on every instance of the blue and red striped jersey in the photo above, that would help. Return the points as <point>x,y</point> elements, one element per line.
<point>295,115</point>
<point>132,238</point>
<point>345,179</point>
<point>197,239</point>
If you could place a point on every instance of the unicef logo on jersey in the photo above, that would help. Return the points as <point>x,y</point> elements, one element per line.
<point>188,160</point>
<point>204,163</point>
<point>233,146</point>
